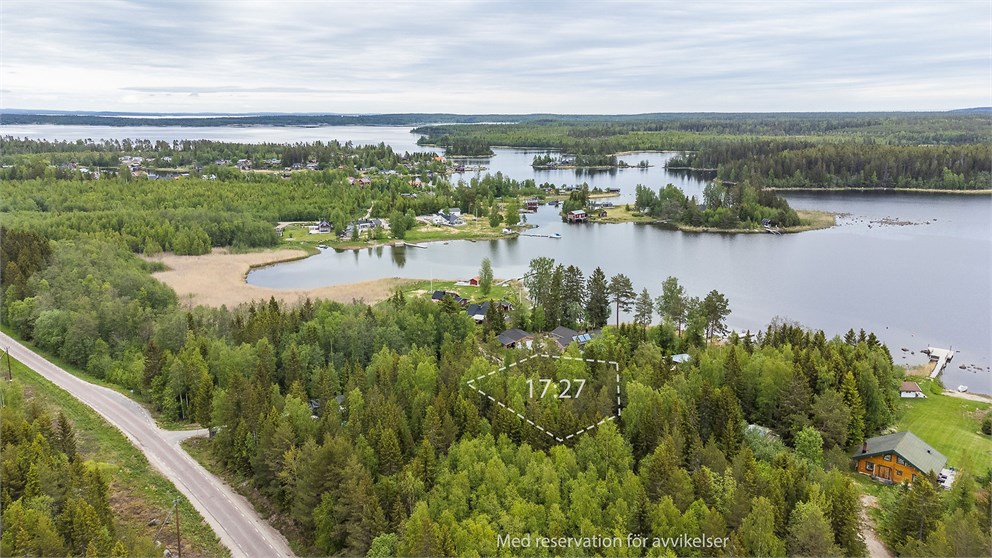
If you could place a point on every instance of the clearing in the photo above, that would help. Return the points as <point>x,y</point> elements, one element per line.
<point>949,424</point>
<point>218,278</point>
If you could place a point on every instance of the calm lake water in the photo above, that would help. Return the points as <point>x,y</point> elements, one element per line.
<point>928,282</point>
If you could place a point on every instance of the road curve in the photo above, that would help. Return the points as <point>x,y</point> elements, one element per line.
<point>229,514</point>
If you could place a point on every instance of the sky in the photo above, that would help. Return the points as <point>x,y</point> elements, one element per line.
<point>495,56</point>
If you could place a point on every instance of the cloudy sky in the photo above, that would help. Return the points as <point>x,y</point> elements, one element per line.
<point>495,57</point>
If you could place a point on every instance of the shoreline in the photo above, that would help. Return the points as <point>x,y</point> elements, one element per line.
<point>818,220</point>
<point>978,397</point>
<point>586,167</point>
<point>219,278</point>
<point>986,191</point>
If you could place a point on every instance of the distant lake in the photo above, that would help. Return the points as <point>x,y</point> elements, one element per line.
<point>399,137</point>
<point>914,285</point>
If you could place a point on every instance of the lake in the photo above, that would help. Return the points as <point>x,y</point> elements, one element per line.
<point>922,276</point>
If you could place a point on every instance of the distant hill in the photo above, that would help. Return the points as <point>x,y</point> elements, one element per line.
<point>972,110</point>
<point>111,118</point>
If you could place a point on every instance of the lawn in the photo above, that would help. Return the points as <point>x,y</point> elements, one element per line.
<point>138,493</point>
<point>950,425</point>
<point>622,214</point>
<point>508,292</point>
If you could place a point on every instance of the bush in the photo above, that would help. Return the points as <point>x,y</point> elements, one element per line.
<point>987,424</point>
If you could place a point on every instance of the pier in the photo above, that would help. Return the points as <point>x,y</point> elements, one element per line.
<point>942,356</point>
<point>535,235</point>
<point>412,245</point>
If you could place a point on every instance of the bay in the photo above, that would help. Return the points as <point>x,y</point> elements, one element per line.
<point>915,268</point>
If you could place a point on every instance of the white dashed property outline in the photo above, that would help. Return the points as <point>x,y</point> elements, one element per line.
<point>471,384</point>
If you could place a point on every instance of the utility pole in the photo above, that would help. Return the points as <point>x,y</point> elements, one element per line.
<point>179,540</point>
<point>10,373</point>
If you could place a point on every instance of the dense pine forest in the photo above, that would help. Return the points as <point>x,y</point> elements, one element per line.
<point>54,503</point>
<point>355,422</point>
<point>888,150</point>
<point>358,424</point>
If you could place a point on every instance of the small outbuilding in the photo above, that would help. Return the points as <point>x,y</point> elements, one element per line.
<point>910,390</point>
<point>513,338</point>
<point>577,216</point>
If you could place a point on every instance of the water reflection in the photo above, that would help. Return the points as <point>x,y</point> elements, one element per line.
<point>398,254</point>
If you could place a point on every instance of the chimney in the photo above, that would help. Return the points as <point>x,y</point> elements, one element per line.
<point>864,447</point>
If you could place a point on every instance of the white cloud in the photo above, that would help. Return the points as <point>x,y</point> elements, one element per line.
<point>588,57</point>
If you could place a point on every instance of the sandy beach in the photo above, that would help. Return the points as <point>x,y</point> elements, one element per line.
<point>969,396</point>
<point>218,278</point>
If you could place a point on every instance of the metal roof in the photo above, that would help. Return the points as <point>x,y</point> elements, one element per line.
<point>513,336</point>
<point>907,445</point>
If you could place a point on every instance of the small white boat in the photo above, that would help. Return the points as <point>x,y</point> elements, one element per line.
<point>556,235</point>
<point>322,246</point>
<point>963,389</point>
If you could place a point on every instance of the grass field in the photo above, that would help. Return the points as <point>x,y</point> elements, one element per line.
<point>621,214</point>
<point>138,493</point>
<point>950,425</point>
<point>508,292</point>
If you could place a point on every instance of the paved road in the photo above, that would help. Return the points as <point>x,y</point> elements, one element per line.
<point>230,515</point>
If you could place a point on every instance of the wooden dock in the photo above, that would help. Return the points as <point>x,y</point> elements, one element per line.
<point>555,236</point>
<point>412,245</point>
<point>942,357</point>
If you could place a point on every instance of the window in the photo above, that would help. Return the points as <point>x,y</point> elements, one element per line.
<point>914,478</point>
<point>869,466</point>
<point>900,460</point>
<point>888,457</point>
<point>898,473</point>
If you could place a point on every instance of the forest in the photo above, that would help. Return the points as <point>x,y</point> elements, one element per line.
<point>54,502</point>
<point>356,423</point>
<point>903,126</point>
<point>190,214</point>
<point>724,206</point>
<point>842,165</point>
<point>948,151</point>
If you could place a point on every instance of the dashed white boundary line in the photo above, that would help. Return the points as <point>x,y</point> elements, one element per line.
<point>559,439</point>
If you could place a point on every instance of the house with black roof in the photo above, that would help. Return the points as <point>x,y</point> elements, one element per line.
<point>564,336</point>
<point>514,338</point>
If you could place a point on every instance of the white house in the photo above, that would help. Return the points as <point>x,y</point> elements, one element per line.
<point>911,390</point>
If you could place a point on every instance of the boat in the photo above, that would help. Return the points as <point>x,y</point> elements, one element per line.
<point>322,246</point>
<point>556,235</point>
<point>963,389</point>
